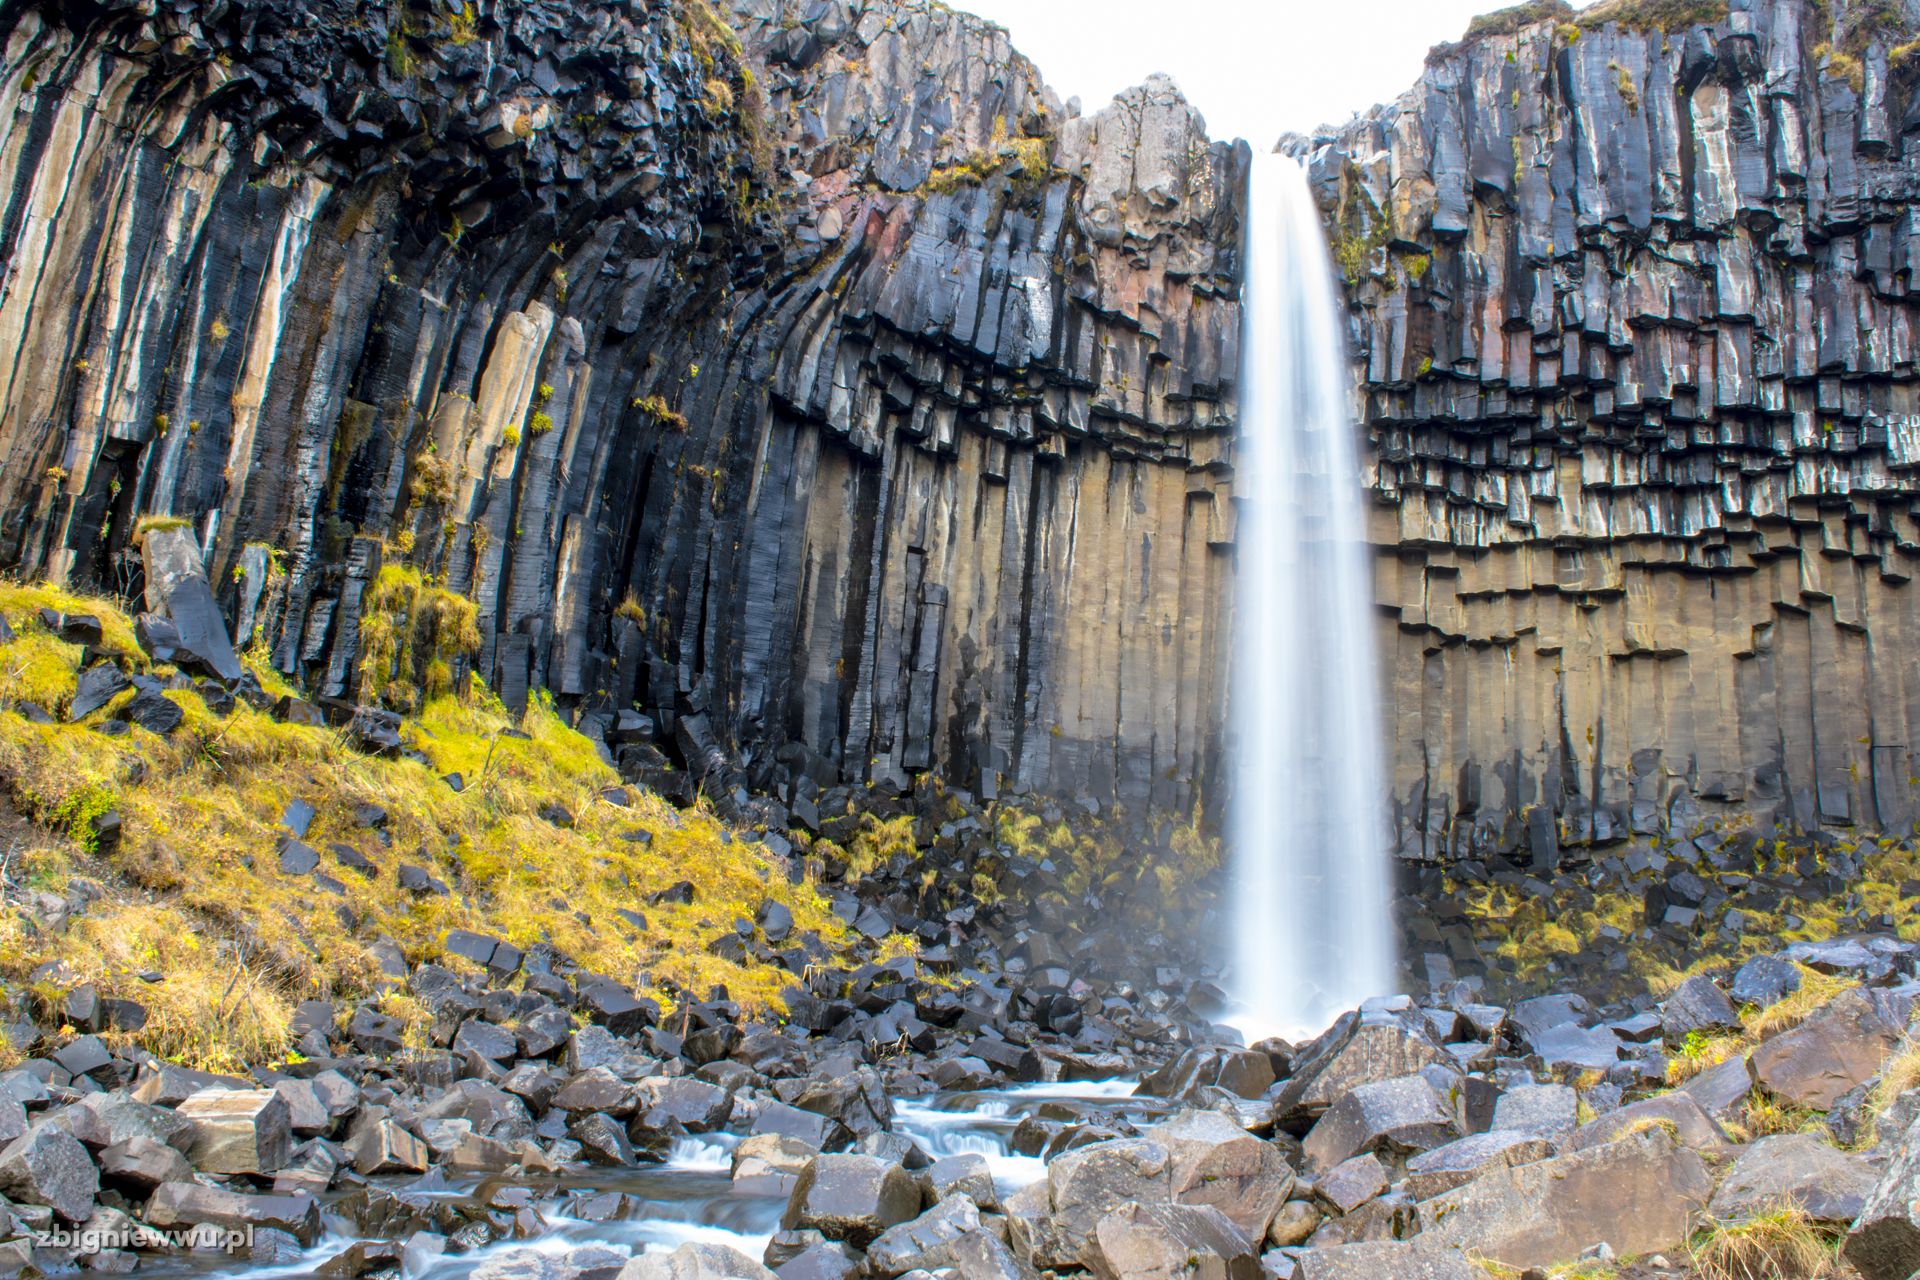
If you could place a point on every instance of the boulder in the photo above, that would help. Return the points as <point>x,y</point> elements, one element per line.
<point>1794,1168</point>
<point>966,1174</point>
<point>1172,1242</point>
<point>1390,1116</point>
<point>238,1130</point>
<point>695,1105</point>
<point>1697,1004</point>
<point>382,1146</point>
<point>695,1261</point>
<point>1547,1110</point>
<point>177,586</point>
<point>1442,1169</point>
<point>1213,1161</point>
<point>143,1163</point>
<point>1352,1183</point>
<point>1085,1185</point>
<point>922,1244</point>
<point>1837,1049</point>
<point>1386,1260</point>
<point>853,1198</point>
<point>1764,981</point>
<point>1678,1112</point>
<point>1571,1047</point>
<point>192,1204</point>
<point>48,1166</point>
<point>1885,1241</point>
<point>1294,1223</point>
<point>1635,1195</point>
<point>1357,1050</point>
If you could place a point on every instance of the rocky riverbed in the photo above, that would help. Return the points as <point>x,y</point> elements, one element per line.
<point>555,1130</point>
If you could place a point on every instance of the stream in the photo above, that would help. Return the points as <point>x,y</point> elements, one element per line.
<point>692,1197</point>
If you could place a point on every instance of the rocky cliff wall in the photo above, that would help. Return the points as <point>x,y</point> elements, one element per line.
<point>1634,315</point>
<point>805,376</point>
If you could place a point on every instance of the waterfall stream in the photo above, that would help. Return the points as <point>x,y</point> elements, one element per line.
<point>1312,934</point>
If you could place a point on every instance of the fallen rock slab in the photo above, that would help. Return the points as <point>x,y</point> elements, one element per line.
<point>1799,1169</point>
<point>1679,1113</point>
<point>1458,1163</point>
<point>1216,1162</point>
<point>1386,1260</point>
<point>1172,1242</point>
<point>1392,1116</point>
<point>853,1198</point>
<point>696,1261</point>
<point>238,1130</point>
<point>191,1204</point>
<point>1635,1195</point>
<point>1885,1241</point>
<point>1834,1051</point>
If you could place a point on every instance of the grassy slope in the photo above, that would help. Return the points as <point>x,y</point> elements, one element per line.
<point>193,889</point>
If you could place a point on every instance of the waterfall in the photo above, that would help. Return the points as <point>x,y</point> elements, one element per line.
<point>1312,879</point>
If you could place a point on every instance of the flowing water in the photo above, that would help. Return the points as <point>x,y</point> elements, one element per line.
<point>691,1196</point>
<point>1311,930</point>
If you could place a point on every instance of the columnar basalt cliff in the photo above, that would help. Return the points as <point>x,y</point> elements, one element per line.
<point>1634,316</point>
<point>804,376</point>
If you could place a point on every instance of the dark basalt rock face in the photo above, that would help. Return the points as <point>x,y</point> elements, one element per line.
<point>1633,311</point>
<point>806,376</point>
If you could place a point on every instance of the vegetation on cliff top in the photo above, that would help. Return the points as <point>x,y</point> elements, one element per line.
<point>191,915</point>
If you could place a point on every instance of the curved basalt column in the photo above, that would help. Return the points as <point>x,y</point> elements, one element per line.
<point>1633,312</point>
<point>804,376</point>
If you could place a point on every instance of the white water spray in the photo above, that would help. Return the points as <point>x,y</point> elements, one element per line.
<point>1312,933</point>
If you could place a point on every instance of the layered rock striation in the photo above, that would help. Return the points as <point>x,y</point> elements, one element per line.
<point>803,376</point>
<point>1632,309</point>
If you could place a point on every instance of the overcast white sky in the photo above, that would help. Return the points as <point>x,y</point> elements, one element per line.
<point>1254,68</point>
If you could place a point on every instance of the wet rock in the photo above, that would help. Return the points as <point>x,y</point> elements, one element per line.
<point>238,1130</point>
<point>1636,1195</point>
<point>1393,1117</point>
<point>191,1204</point>
<point>967,1174</point>
<point>694,1105</point>
<point>603,1139</point>
<point>852,1198</point>
<point>772,1163</point>
<point>1172,1242</point>
<point>1797,1168</point>
<point>923,1243</point>
<point>48,1166</point>
<point>1837,1049</point>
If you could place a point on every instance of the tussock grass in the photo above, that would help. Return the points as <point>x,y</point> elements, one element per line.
<point>194,891</point>
<point>1780,1244</point>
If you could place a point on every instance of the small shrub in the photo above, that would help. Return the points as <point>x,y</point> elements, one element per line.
<point>1780,1244</point>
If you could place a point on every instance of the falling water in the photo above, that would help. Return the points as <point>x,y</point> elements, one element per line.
<point>1312,934</point>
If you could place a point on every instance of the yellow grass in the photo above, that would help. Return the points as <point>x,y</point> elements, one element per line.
<point>194,890</point>
<point>1780,1244</point>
